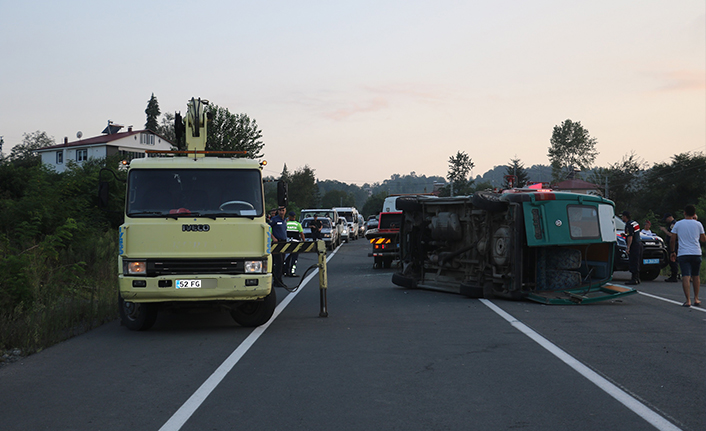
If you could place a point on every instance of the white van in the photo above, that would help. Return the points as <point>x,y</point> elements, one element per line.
<point>351,215</point>
<point>390,204</point>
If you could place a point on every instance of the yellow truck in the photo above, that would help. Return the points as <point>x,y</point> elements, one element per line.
<point>195,232</point>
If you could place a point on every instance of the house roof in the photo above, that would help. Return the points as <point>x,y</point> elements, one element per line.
<point>103,139</point>
<point>575,185</point>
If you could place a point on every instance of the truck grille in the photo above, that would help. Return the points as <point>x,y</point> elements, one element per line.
<point>156,267</point>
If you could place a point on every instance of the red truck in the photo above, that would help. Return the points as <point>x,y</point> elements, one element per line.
<point>385,239</point>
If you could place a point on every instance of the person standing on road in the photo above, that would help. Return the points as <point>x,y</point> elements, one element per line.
<point>315,227</point>
<point>689,232</point>
<point>295,233</point>
<point>673,266</point>
<point>279,234</point>
<point>634,247</point>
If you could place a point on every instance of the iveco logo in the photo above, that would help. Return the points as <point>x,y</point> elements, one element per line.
<point>195,228</point>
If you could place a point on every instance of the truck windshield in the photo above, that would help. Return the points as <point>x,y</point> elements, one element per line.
<point>194,192</point>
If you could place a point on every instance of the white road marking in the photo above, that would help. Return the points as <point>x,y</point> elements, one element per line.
<point>623,397</point>
<point>182,415</point>
<point>671,301</point>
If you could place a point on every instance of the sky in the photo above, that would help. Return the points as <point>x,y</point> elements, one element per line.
<point>361,90</point>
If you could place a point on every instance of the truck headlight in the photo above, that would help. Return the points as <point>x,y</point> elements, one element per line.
<point>138,267</point>
<point>253,266</point>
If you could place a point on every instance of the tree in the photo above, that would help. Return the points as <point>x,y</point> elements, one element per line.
<point>460,167</point>
<point>167,131</point>
<point>624,180</point>
<point>24,152</point>
<point>302,187</point>
<point>152,112</point>
<point>571,147</point>
<point>285,175</point>
<point>233,132</point>
<point>671,186</point>
<point>517,169</point>
<point>374,204</point>
<point>337,198</point>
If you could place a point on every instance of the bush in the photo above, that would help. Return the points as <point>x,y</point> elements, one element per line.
<point>58,255</point>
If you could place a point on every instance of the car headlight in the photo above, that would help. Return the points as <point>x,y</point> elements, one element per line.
<point>253,266</point>
<point>135,267</point>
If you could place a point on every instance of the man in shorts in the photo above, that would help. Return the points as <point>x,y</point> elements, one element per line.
<point>688,232</point>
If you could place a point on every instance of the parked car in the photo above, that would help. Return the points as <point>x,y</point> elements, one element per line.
<point>328,232</point>
<point>654,253</point>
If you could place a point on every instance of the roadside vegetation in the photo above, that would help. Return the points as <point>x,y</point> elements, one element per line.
<point>58,253</point>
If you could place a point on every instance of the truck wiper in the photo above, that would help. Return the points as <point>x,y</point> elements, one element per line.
<point>190,214</point>
<point>145,213</point>
<point>227,214</point>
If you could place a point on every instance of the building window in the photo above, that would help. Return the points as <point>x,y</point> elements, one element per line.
<point>81,155</point>
<point>146,138</point>
<point>59,157</point>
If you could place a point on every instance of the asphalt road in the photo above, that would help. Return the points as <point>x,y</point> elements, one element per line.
<point>386,358</point>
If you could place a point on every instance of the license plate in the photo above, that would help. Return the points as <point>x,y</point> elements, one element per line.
<point>649,261</point>
<point>188,284</point>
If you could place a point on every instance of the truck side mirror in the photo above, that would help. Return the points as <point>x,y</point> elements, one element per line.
<point>282,193</point>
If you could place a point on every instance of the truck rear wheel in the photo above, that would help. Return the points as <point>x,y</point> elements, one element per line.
<point>255,313</point>
<point>137,316</point>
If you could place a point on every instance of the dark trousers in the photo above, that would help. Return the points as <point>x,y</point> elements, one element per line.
<point>290,263</point>
<point>635,260</point>
<point>277,264</point>
<point>674,268</point>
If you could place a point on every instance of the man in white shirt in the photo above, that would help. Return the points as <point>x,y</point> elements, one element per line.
<point>689,232</point>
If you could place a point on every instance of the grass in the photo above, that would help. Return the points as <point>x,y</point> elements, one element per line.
<point>64,306</point>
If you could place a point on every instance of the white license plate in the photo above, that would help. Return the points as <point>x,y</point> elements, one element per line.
<point>649,261</point>
<point>188,284</point>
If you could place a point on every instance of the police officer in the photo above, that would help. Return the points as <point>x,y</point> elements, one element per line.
<point>634,249</point>
<point>279,234</point>
<point>295,233</point>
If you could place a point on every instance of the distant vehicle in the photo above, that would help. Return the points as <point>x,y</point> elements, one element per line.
<point>361,226</point>
<point>328,234</point>
<point>371,224</point>
<point>351,215</point>
<point>330,213</point>
<point>654,253</point>
<point>345,230</point>
<point>390,204</point>
<point>385,239</point>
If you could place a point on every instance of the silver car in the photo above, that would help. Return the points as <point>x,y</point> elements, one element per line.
<point>328,233</point>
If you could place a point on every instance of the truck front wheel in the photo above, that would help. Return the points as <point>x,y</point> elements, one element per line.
<point>255,313</point>
<point>137,316</point>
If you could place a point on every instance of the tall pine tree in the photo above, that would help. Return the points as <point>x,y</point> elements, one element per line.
<point>517,170</point>
<point>152,112</point>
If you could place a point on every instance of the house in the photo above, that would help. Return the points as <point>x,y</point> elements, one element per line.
<point>132,144</point>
